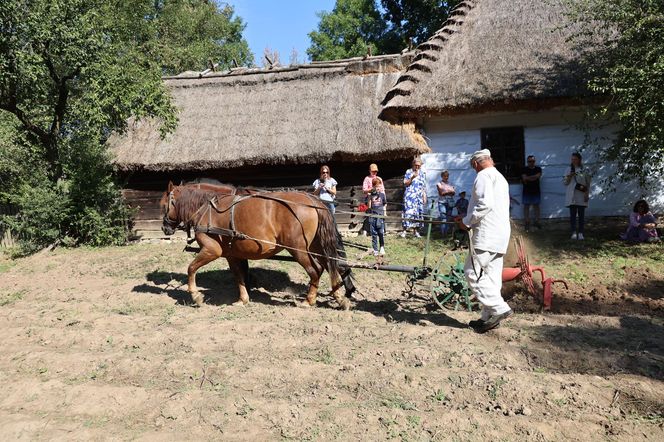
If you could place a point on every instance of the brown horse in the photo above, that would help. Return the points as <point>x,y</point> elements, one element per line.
<point>258,226</point>
<point>225,189</point>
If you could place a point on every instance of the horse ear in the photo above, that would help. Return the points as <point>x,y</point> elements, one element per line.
<point>170,186</point>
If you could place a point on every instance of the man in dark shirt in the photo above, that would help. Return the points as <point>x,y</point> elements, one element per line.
<point>530,175</point>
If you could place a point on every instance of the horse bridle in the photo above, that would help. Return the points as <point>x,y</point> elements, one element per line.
<point>173,224</point>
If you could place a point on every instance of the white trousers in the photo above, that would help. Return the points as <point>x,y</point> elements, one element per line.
<point>485,279</point>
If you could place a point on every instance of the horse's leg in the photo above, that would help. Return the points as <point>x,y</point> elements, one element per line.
<point>247,276</point>
<point>314,270</point>
<point>239,268</point>
<point>210,250</point>
<point>337,282</point>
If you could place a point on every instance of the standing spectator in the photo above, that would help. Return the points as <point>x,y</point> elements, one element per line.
<point>642,224</point>
<point>462,204</point>
<point>377,205</point>
<point>446,193</point>
<point>325,188</point>
<point>366,190</point>
<point>461,207</point>
<point>531,196</point>
<point>488,221</point>
<point>367,184</point>
<point>414,198</point>
<point>577,195</point>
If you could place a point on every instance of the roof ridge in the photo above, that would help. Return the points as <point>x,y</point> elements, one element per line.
<point>323,64</point>
<point>428,51</point>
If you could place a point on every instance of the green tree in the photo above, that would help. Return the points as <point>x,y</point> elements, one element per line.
<point>413,21</point>
<point>385,26</point>
<point>71,73</point>
<point>352,28</point>
<point>183,35</point>
<point>626,67</point>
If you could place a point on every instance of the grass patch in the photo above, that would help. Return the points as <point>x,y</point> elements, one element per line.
<point>414,421</point>
<point>325,356</point>
<point>6,265</point>
<point>494,389</point>
<point>98,372</point>
<point>439,396</point>
<point>11,297</point>
<point>396,401</point>
<point>96,422</point>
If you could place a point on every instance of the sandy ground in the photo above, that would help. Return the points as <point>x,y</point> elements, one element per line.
<point>100,344</point>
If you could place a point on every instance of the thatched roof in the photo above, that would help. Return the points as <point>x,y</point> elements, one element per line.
<point>491,54</point>
<point>284,115</point>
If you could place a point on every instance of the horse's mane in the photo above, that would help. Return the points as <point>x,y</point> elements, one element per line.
<point>205,180</point>
<point>192,199</point>
<point>208,182</point>
<point>211,183</point>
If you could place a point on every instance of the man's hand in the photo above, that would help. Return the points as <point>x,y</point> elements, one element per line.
<point>460,224</point>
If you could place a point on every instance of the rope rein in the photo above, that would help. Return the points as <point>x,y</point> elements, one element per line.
<point>233,233</point>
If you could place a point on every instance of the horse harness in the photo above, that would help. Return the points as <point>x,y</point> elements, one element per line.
<point>231,231</point>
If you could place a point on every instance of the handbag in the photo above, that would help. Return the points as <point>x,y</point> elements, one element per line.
<point>580,187</point>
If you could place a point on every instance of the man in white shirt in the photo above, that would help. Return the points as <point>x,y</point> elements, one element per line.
<point>488,222</point>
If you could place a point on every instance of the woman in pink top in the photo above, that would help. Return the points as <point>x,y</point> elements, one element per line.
<point>446,192</point>
<point>367,186</point>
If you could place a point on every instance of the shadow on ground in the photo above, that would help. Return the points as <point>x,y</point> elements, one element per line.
<point>404,309</point>
<point>271,287</point>
<point>636,347</point>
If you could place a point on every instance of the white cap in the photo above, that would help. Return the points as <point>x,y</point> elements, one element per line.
<point>479,154</point>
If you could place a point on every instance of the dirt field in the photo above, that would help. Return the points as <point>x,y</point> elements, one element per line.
<point>100,344</point>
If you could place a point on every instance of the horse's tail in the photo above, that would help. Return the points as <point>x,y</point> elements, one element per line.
<point>333,249</point>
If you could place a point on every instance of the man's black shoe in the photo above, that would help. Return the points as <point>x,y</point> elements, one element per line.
<point>476,323</point>
<point>493,322</point>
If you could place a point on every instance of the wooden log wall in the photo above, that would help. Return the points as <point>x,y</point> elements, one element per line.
<point>143,190</point>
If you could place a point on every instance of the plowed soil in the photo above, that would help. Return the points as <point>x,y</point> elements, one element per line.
<point>102,344</point>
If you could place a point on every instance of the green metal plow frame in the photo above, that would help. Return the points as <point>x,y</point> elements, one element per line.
<point>448,286</point>
<point>451,289</point>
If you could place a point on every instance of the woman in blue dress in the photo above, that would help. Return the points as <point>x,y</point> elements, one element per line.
<point>414,198</point>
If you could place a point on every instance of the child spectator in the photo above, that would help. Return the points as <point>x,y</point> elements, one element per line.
<point>642,224</point>
<point>377,205</point>
<point>366,189</point>
<point>462,205</point>
<point>446,193</point>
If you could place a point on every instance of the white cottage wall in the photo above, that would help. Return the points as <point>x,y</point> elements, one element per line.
<point>552,136</point>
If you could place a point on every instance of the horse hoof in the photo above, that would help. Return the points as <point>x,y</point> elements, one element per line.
<point>305,304</point>
<point>345,304</point>
<point>240,303</point>
<point>197,298</point>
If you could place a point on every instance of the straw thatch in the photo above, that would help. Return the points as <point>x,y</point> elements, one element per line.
<point>491,54</point>
<point>284,115</point>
